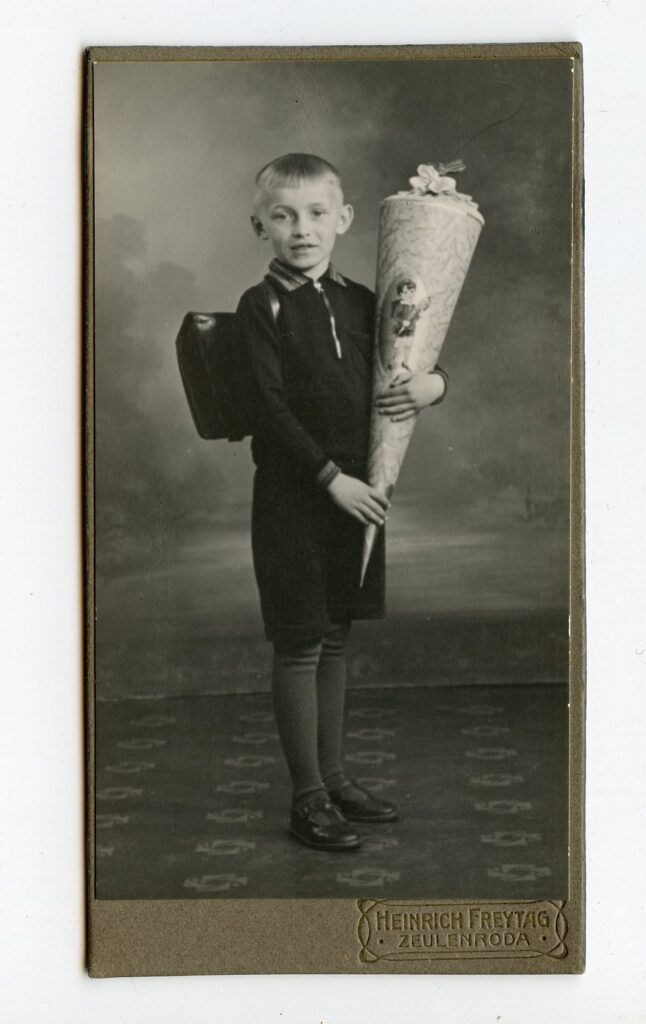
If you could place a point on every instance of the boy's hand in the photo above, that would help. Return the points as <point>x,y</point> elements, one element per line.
<point>409,393</point>
<point>360,500</point>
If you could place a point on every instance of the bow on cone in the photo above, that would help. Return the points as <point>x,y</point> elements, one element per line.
<point>427,237</point>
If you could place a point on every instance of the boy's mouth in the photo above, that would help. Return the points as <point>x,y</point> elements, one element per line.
<point>302,247</point>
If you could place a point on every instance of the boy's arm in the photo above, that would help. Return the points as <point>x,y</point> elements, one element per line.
<point>412,392</point>
<point>273,418</point>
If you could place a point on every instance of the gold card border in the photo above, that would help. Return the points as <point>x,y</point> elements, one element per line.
<point>180,937</point>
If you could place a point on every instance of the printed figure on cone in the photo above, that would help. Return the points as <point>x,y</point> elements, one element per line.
<point>405,312</point>
<point>405,304</point>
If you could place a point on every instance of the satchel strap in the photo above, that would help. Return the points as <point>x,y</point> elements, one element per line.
<point>272,295</point>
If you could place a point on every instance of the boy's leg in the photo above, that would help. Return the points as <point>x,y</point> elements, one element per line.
<point>314,820</point>
<point>295,707</point>
<point>354,802</point>
<point>330,688</point>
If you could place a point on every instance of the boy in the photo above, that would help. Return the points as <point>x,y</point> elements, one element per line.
<point>311,377</point>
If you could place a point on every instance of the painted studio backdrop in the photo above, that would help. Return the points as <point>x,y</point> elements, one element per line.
<point>477,543</point>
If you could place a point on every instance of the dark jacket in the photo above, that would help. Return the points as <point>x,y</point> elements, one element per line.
<point>311,379</point>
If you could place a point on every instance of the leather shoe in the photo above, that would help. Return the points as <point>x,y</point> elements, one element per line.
<point>357,804</point>
<point>316,822</point>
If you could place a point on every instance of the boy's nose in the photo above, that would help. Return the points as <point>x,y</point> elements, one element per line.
<point>301,228</point>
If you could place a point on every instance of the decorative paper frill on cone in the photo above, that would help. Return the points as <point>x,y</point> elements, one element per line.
<point>426,240</point>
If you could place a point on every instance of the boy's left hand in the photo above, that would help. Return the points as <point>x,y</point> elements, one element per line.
<point>408,394</point>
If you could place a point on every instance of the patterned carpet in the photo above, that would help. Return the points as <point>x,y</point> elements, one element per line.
<point>192,797</point>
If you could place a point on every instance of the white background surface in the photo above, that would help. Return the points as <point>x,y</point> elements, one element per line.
<point>41,867</point>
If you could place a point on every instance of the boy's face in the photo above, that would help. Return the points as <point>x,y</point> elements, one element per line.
<point>302,223</point>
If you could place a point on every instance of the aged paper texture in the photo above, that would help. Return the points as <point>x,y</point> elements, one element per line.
<point>465,705</point>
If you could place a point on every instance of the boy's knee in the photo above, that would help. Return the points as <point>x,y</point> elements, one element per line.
<point>301,653</point>
<point>307,652</point>
<point>335,638</point>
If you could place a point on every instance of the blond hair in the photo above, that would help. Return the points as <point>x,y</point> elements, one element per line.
<point>292,169</point>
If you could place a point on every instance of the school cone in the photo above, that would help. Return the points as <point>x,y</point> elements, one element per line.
<point>426,240</point>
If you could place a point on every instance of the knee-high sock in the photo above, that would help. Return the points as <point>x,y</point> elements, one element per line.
<point>330,688</point>
<point>295,707</point>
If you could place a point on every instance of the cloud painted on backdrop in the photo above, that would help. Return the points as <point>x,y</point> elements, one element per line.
<point>152,478</point>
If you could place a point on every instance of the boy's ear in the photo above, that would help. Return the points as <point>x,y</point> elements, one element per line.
<point>256,224</point>
<point>346,216</point>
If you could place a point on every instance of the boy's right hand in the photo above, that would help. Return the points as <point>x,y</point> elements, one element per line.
<point>360,500</point>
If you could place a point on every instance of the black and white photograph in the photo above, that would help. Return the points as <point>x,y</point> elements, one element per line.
<point>331,477</point>
<point>238,241</point>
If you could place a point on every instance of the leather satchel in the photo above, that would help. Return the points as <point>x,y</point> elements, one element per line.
<point>214,376</point>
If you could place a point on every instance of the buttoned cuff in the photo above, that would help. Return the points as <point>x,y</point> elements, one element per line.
<point>445,378</point>
<point>329,473</point>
